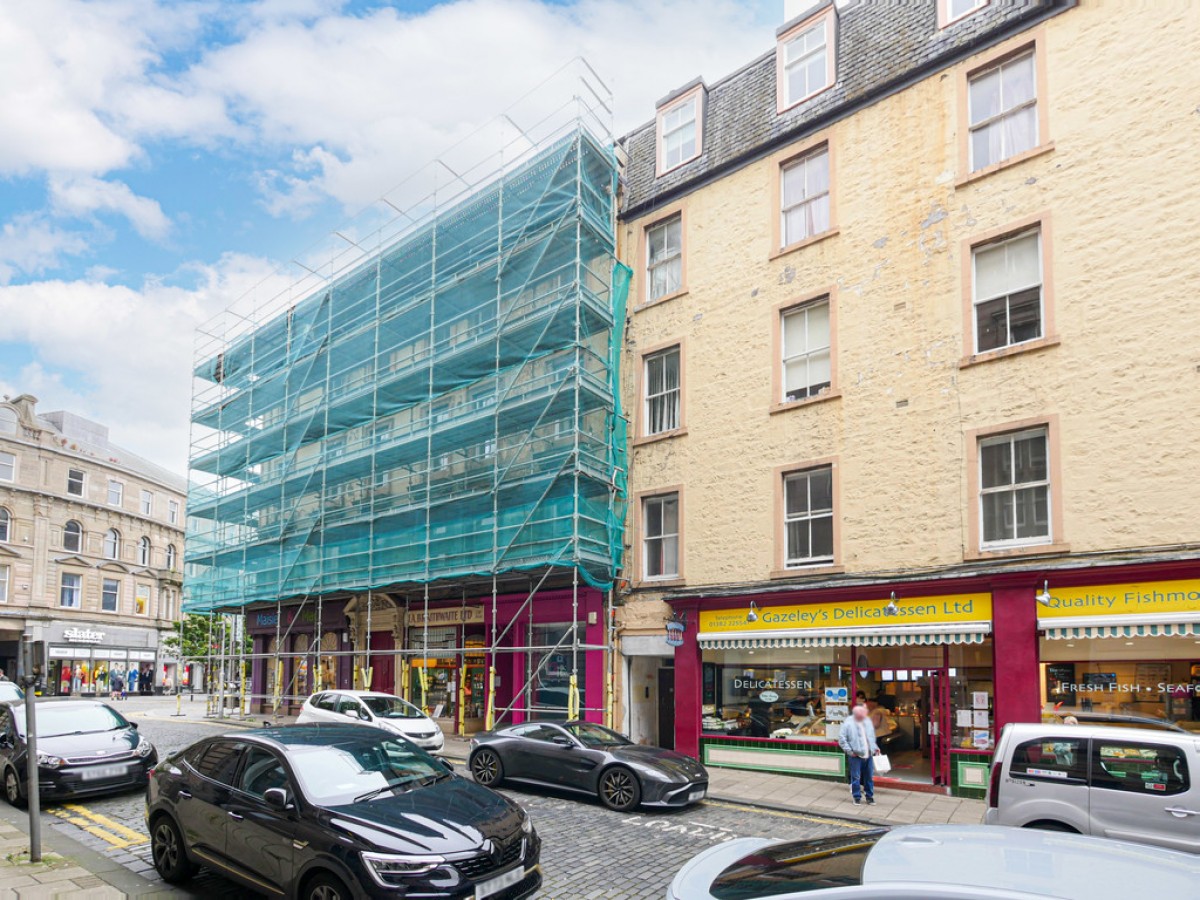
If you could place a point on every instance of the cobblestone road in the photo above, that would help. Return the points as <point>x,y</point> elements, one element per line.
<point>588,852</point>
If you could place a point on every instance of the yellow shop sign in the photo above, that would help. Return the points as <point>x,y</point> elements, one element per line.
<point>1123,599</point>
<point>856,614</point>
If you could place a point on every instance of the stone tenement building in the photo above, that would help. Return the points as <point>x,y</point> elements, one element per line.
<point>91,550</point>
<point>914,384</point>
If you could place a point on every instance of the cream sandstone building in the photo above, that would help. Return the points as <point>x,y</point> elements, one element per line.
<point>91,551</point>
<point>930,272</point>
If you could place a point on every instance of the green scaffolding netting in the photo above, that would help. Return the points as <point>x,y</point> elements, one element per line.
<point>448,409</point>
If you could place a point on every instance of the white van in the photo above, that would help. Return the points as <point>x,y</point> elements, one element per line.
<point>1133,784</point>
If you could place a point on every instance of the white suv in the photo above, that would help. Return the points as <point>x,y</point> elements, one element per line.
<point>374,708</point>
<point>1134,784</point>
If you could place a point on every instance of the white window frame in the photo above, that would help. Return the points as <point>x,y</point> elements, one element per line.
<point>78,548</point>
<point>76,590</point>
<point>675,259</point>
<point>82,483</point>
<point>696,121</point>
<point>664,396</point>
<point>800,562</point>
<point>5,579</point>
<point>6,525</point>
<point>827,24</point>
<point>141,591</point>
<point>104,582</point>
<point>973,126</point>
<point>173,512</point>
<point>660,539</point>
<point>172,557</point>
<point>115,544</point>
<point>8,464</point>
<point>146,503</point>
<point>145,551</point>
<point>976,300</point>
<point>947,16</point>
<point>1010,438</point>
<point>117,487</point>
<point>807,201</point>
<point>809,352</point>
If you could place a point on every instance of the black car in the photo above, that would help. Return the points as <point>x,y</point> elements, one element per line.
<point>326,811</point>
<point>588,758</point>
<point>84,747</point>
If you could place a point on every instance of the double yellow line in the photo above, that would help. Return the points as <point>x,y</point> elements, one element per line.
<point>114,833</point>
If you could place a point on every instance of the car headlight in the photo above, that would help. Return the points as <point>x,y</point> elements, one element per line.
<point>527,825</point>
<point>50,762</point>
<point>144,747</point>
<point>391,869</point>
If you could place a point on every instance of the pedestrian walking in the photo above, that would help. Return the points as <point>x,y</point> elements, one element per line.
<point>857,740</point>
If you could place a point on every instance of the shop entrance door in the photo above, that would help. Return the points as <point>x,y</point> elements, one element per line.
<point>666,709</point>
<point>911,719</point>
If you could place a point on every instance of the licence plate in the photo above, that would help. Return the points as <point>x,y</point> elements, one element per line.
<point>695,795</point>
<point>101,772</point>
<point>499,883</point>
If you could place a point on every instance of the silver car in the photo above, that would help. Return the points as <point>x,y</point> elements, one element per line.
<point>386,711</point>
<point>936,862</point>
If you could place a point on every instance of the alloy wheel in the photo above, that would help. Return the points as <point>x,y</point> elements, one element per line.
<point>165,847</point>
<point>485,767</point>
<point>618,788</point>
<point>12,788</point>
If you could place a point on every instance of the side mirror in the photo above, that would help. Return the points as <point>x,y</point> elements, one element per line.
<point>277,798</point>
<point>563,741</point>
<point>133,725</point>
<point>352,714</point>
<point>446,764</point>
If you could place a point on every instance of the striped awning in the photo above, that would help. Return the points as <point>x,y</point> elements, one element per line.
<point>971,633</point>
<point>1171,629</point>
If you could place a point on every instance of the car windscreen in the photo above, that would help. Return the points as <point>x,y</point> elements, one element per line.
<point>54,721</point>
<point>9,691</point>
<point>596,736</point>
<point>392,708</point>
<point>360,769</point>
<point>798,866</point>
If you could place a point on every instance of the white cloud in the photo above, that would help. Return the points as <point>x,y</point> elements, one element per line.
<point>31,245</point>
<point>119,355</point>
<point>81,196</point>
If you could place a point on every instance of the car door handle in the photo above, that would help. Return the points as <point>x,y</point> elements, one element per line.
<point>1179,812</point>
<point>185,795</point>
<point>234,815</point>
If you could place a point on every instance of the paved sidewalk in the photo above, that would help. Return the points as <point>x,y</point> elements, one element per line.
<point>786,792</point>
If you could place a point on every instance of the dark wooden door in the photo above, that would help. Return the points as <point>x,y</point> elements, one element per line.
<point>666,708</point>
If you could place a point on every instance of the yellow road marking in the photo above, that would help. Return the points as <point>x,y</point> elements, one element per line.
<point>782,814</point>
<point>130,835</point>
<point>117,843</point>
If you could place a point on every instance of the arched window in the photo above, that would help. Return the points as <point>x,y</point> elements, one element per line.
<point>144,552</point>
<point>171,558</point>
<point>5,524</point>
<point>112,544</point>
<point>73,537</point>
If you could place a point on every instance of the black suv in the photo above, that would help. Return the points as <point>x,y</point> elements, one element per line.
<point>329,811</point>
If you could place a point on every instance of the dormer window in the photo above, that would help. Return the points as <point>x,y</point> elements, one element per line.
<point>680,129</point>
<point>950,11</point>
<point>804,58</point>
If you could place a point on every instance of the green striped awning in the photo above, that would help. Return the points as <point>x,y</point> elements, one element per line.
<point>1177,629</point>
<point>892,639</point>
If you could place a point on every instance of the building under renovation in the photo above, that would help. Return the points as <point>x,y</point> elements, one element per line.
<point>408,470</point>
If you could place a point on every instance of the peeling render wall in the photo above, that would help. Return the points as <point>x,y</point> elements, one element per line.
<point>1121,193</point>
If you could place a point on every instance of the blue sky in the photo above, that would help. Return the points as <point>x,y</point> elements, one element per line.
<point>158,159</point>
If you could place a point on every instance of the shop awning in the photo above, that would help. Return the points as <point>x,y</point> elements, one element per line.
<point>962,633</point>
<point>1173,629</point>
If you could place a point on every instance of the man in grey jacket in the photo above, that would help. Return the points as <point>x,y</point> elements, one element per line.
<point>857,740</point>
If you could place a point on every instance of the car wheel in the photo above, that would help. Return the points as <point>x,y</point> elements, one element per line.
<point>619,789</point>
<point>166,849</point>
<point>12,788</point>
<point>324,886</point>
<point>487,769</point>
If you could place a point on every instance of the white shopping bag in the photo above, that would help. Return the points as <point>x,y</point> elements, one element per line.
<point>883,765</point>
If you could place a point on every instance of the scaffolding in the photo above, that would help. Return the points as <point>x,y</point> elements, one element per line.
<point>429,409</point>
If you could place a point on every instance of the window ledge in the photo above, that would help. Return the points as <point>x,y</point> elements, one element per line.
<point>1058,549</point>
<point>649,584</point>
<point>1004,352</point>
<point>800,571</point>
<point>659,300</point>
<point>807,401</point>
<point>807,242</point>
<point>784,105</point>
<point>661,436</point>
<point>1041,149</point>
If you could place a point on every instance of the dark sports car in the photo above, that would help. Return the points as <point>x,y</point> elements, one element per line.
<point>591,759</point>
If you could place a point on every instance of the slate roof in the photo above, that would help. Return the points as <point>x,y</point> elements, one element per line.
<point>882,46</point>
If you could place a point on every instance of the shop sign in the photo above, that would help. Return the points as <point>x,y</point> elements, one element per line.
<point>768,697</point>
<point>83,635</point>
<point>1123,599</point>
<point>456,615</point>
<point>854,614</point>
<point>264,620</point>
<point>143,655</point>
<point>676,626</point>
